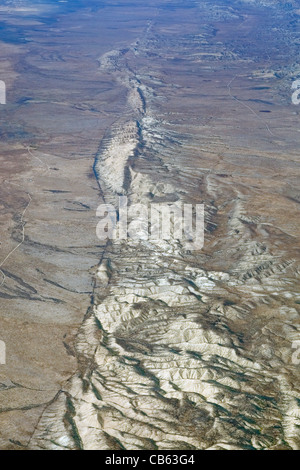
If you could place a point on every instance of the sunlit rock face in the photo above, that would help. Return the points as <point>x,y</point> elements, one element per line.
<point>180,348</point>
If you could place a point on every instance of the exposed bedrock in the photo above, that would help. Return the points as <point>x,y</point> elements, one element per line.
<point>181,350</point>
<point>147,343</point>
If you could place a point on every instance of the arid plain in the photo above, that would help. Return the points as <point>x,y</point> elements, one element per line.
<point>136,344</point>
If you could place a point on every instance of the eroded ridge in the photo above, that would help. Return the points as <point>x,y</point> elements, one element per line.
<point>181,350</point>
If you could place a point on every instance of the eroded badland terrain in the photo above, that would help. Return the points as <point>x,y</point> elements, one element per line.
<point>142,344</point>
